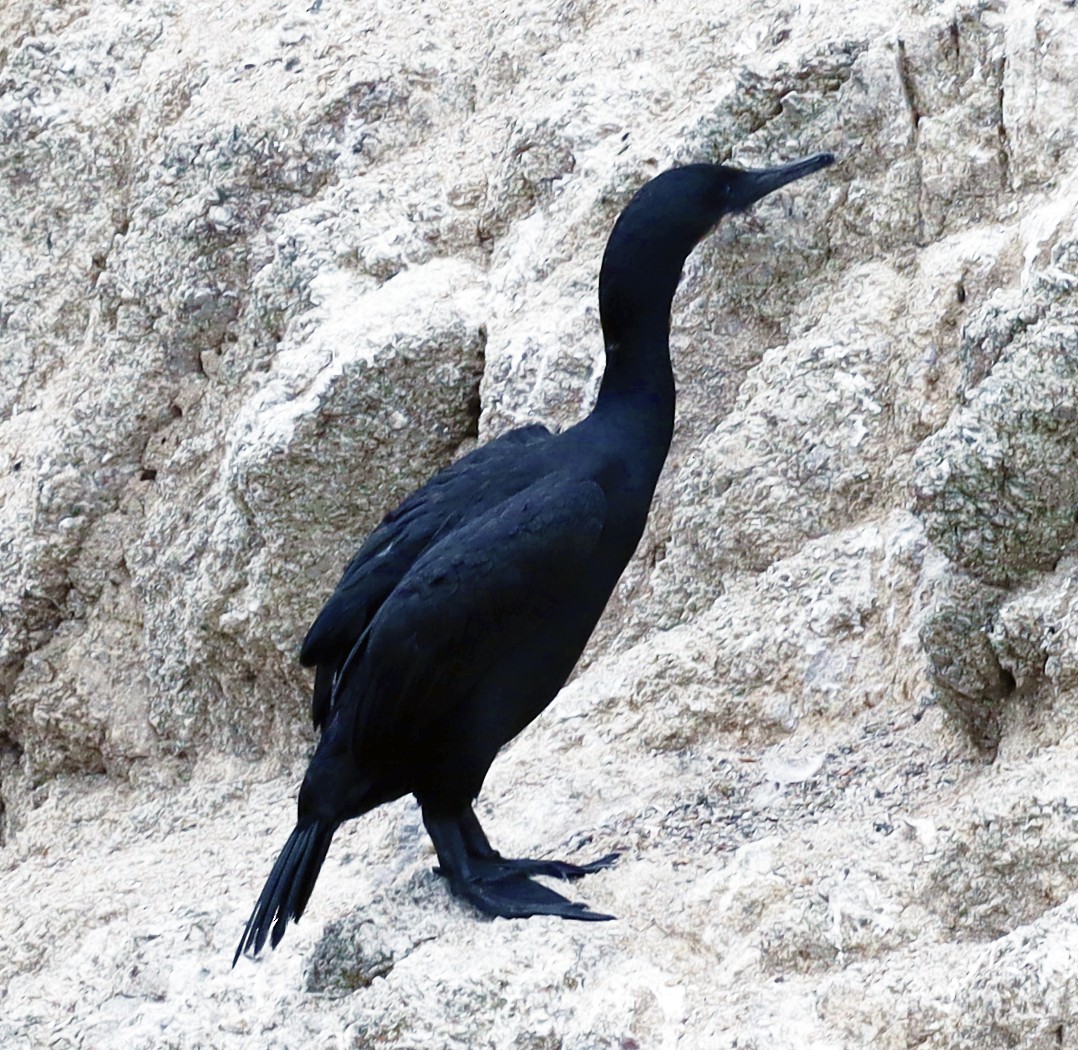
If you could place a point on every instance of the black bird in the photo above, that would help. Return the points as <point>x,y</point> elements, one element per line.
<point>462,615</point>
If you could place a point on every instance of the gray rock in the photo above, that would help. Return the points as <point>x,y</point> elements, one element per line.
<point>263,269</point>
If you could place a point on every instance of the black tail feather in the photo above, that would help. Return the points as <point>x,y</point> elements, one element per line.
<point>288,887</point>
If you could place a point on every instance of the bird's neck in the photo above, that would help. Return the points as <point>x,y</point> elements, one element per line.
<point>641,269</point>
<point>639,276</point>
<point>638,383</point>
<point>638,368</point>
<point>636,396</point>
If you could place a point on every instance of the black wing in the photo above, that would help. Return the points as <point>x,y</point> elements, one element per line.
<point>464,605</point>
<point>461,492</point>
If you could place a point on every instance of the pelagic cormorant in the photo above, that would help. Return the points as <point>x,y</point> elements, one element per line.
<point>462,615</point>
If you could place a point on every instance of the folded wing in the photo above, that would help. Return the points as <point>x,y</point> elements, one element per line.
<point>468,602</point>
<point>460,493</point>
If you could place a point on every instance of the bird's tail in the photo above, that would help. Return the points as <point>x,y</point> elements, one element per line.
<point>288,887</point>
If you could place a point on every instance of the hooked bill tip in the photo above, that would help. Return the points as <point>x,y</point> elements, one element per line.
<point>805,166</point>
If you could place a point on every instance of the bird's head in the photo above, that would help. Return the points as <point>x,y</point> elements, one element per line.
<point>665,220</point>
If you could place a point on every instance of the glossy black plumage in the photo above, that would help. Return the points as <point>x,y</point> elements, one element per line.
<point>462,615</point>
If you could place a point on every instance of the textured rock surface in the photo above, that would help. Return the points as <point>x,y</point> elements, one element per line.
<point>263,269</point>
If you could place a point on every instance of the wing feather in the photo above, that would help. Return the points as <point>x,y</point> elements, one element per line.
<point>464,604</point>
<point>461,492</point>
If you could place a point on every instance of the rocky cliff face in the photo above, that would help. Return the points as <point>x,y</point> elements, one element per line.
<point>263,269</point>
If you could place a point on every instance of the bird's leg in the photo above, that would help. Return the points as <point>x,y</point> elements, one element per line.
<point>474,837</point>
<point>488,863</point>
<point>508,893</point>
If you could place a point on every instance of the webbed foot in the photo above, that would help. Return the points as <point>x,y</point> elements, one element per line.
<point>503,886</point>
